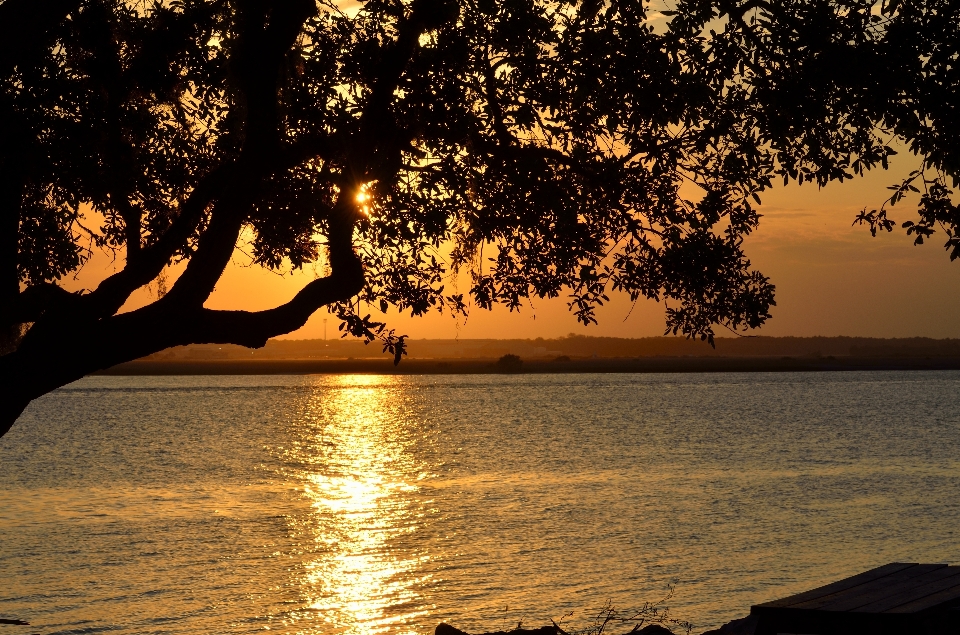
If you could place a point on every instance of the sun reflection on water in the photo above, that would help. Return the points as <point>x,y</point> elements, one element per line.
<point>361,480</point>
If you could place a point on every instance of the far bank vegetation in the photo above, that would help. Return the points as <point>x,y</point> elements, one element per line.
<point>579,346</point>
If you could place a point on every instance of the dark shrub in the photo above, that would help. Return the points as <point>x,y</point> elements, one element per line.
<point>509,364</point>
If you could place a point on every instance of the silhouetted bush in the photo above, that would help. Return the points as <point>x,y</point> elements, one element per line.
<point>509,364</point>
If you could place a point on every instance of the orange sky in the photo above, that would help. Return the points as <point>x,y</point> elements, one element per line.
<point>831,278</point>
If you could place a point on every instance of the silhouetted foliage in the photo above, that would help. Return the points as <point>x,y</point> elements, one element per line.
<point>652,618</point>
<point>509,363</point>
<point>537,147</point>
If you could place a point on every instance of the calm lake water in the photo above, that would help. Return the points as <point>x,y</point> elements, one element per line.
<point>379,504</point>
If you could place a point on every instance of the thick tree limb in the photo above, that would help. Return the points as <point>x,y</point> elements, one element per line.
<point>264,41</point>
<point>215,247</point>
<point>260,55</point>
<point>27,29</point>
<point>253,329</point>
<point>276,39</point>
<point>378,129</point>
<point>69,347</point>
<point>267,31</point>
<point>31,304</point>
<point>87,346</point>
<point>110,295</point>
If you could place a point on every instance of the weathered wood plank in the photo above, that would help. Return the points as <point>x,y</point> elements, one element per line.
<point>919,599</point>
<point>875,590</point>
<point>840,585</point>
<point>938,581</point>
<point>866,588</point>
<point>947,597</point>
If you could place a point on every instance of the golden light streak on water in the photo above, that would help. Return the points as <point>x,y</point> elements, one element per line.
<point>364,498</point>
<point>321,505</point>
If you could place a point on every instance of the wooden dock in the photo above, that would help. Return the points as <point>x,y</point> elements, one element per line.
<point>899,598</point>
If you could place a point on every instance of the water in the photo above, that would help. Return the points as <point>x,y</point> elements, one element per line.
<point>369,504</point>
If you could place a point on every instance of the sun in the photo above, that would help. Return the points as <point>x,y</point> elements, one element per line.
<point>363,199</point>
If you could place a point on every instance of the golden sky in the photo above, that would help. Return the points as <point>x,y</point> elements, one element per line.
<point>832,279</point>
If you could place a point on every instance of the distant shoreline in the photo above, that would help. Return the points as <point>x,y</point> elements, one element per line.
<point>534,366</point>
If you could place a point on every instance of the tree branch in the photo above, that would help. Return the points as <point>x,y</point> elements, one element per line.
<point>267,31</point>
<point>495,110</point>
<point>377,127</point>
<point>265,38</point>
<point>117,153</point>
<point>216,244</point>
<point>110,295</point>
<point>253,329</point>
<point>31,304</point>
<point>27,27</point>
<point>88,346</point>
<point>96,338</point>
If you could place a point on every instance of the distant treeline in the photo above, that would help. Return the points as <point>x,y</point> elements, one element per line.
<point>579,346</point>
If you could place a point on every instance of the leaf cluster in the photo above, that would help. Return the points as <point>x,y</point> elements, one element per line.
<point>536,148</point>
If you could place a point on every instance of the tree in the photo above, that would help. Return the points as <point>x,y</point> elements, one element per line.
<point>540,146</point>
